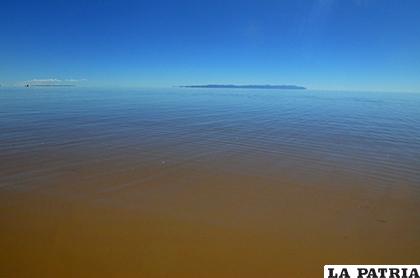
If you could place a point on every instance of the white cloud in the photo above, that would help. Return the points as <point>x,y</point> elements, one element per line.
<point>53,81</point>
<point>45,80</point>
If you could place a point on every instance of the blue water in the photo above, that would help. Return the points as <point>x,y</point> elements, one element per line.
<point>367,139</point>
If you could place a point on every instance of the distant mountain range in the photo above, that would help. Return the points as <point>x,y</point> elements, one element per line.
<point>230,86</point>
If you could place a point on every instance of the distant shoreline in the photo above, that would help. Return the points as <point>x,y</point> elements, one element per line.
<point>50,85</point>
<point>229,86</point>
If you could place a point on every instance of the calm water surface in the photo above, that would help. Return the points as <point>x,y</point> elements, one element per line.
<point>207,183</point>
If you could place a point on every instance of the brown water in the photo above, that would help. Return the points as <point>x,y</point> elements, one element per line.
<point>206,183</point>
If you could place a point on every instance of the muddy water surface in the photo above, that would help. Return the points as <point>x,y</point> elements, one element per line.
<point>206,183</point>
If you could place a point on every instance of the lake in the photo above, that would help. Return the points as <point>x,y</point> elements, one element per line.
<point>206,182</point>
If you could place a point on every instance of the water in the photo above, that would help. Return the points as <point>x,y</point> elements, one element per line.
<point>374,136</point>
<point>212,164</point>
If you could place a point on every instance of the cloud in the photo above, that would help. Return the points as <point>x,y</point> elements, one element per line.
<point>53,81</point>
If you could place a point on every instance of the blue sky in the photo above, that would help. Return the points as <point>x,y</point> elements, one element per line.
<point>321,44</point>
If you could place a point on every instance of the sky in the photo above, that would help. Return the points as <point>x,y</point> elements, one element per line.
<point>320,44</point>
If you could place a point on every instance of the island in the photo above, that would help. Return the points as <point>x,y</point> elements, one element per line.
<point>230,86</point>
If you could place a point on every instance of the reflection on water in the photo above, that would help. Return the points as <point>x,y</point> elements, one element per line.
<point>194,183</point>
